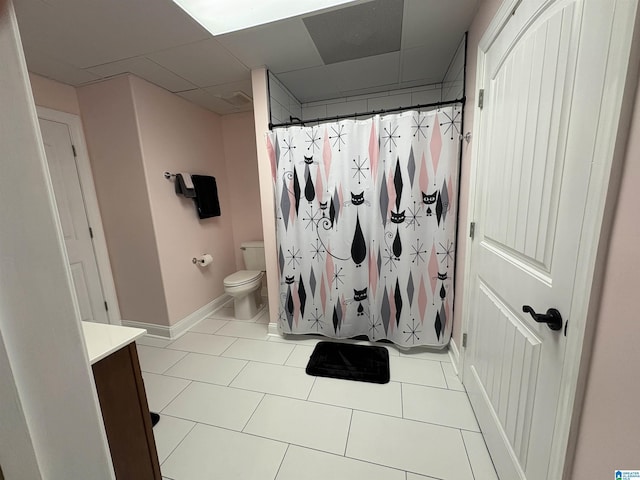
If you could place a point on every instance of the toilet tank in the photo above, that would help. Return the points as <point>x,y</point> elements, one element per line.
<point>253,253</point>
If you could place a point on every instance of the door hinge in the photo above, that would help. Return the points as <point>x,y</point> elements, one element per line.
<point>472,229</point>
<point>106,306</point>
<point>73,147</point>
<point>91,232</point>
<point>464,340</point>
<point>481,98</point>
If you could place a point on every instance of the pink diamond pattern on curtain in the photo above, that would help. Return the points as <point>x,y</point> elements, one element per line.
<point>366,224</point>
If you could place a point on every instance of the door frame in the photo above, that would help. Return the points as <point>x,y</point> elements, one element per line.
<point>610,148</point>
<point>92,208</point>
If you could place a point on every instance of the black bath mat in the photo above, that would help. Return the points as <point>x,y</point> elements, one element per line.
<point>362,363</point>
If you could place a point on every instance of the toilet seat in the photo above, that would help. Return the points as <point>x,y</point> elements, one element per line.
<point>242,277</point>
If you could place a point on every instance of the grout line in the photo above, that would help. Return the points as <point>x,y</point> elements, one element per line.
<point>445,376</point>
<point>180,442</point>
<point>239,372</point>
<point>289,356</point>
<point>230,345</point>
<point>253,413</point>
<point>402,399</point>
<point>311,389</point>
<point>346,443</point>
<point>282,461</point>
<point>466,451</point>
<point>175,396</point>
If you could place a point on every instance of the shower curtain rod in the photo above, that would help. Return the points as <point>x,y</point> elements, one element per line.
<point>362,114</point>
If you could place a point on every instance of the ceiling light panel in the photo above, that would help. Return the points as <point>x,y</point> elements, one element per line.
<point>224,16</point>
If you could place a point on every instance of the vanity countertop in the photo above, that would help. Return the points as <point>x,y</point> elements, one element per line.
<point>103,339</point>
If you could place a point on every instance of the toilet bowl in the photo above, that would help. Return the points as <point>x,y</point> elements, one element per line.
<point>244,286</point>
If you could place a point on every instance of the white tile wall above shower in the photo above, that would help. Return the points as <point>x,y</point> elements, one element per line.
<point>209,452</point>
<point>372,101</point>
<point>390,101</point>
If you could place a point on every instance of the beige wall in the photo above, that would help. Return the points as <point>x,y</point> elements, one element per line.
<point>111,131</point>
<point>176,135</point>
<point>481,21</point>
<point>54,95</point>
<point>610,422</point>
<point>238,132</point>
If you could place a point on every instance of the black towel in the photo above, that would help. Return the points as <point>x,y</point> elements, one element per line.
<point>206,196</point>
<point>181,188</point>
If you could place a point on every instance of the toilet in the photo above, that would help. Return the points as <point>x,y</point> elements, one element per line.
<point>245,285</point>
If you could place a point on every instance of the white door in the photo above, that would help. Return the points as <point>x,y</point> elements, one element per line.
<point>543,89</point>
<point>73,216</point>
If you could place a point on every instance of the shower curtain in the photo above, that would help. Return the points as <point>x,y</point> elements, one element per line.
<point>366,219</point>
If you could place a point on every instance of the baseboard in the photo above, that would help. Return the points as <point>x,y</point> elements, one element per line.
<point>273,329</point>
<point>178,329</point>
<point>454,353</point>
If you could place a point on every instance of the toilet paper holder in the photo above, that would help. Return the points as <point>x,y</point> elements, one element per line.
<point>202,261</point>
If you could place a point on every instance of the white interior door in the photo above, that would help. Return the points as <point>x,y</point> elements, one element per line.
<point>73,216</point>
<point>543,89</point>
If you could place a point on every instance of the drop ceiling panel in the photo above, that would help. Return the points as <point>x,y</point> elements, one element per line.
<point>45,65</point>
<point>210,102</point>
<point>85,33</point>
<point>227,89</point>
<point>366,72</point>
<point>147,69</point>
<point>422,63</point>
<point>281,46</point>
<point>204,63</point>
<point>310,84</point>
<point>435,22</point>
<point>358,31</point>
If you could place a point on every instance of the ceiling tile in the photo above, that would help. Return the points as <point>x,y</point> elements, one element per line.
<point>436,22</point>
<point>147,69</point>
<point>311,84</point>
<point>422,63</point>
<point>85,33</point>
<point>366,72</point>
<point>43,64</point>
<point>228,88</point>
<point>357,31</point>
<point>281,46</point>
<point>204,63</point>
<point>210,102</point>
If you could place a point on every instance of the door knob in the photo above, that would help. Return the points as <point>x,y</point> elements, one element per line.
<point>552,318</point>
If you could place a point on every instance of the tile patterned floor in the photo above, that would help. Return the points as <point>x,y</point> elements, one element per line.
<point>237,404</point>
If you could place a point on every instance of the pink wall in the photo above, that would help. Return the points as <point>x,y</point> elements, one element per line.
<point>176,135</point>
<point>111,132</point>
<point>54,95</point>
<point>610,422</point>
<point>238,132</point>
<point>481,21</point>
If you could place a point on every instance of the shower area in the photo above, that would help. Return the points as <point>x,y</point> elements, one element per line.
<point>366,199</point>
